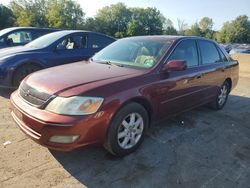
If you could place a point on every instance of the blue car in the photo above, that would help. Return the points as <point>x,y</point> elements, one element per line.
<point>50,50</point>
<point>19,36</point>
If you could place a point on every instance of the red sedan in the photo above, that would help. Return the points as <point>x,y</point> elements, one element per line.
<point>114,97</point>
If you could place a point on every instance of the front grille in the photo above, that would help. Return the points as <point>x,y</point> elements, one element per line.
<point>33,96</point>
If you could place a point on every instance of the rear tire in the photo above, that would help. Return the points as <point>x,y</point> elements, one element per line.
<point>222,96</point>
<point>127,130</point>
<point>22,72</point>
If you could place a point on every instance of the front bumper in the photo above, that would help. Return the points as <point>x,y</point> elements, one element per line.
<point>41,125</point>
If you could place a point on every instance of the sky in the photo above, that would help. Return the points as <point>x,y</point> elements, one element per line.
<point>190,11</point>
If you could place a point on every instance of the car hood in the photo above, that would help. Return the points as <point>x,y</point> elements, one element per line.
<point>61,78</point>
<point>15,50</point>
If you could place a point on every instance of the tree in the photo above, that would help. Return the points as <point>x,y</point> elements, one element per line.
<point>114,19</point>
<point>206,26</point>
<point>182,26</point>
<point>65,14</point>
<point>236,31</point>
<point>6,17</point>
<point>135,28</point>
<point>194,30</point>
<point>43,13</point>
<point>168,28</point>
<point>92,24</point>
<point>206,23</point>
<point>30,13</point>
<point>147,21</point>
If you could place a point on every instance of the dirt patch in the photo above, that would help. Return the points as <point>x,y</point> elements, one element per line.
<point>244,61</point>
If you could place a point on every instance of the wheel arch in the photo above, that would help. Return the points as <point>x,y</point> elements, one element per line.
<point>23,64</point>
<point>229,81</point>
<point>143,102</point>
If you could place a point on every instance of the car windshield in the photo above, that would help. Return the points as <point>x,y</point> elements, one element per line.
<point>141,52</point>
<point>45,40</point>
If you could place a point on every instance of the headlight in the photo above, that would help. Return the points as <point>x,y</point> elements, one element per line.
<point>74,105</point>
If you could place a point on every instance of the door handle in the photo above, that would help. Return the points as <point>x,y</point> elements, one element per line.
<point>192,78</point>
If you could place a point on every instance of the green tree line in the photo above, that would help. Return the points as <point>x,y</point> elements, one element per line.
<point>116,20</point>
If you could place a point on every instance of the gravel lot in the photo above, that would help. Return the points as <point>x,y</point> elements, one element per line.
<point>211,149</point>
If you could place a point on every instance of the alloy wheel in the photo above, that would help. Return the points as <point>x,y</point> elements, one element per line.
<point>130,131</point>
<point>222,97</point>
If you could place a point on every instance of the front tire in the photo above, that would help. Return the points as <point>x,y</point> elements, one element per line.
<point>127,130</point>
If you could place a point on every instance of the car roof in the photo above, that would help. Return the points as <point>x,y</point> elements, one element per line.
<point>57,35</point>
<point>11,29</point>
<point>167,37</point>
<point>17,28</point>
<point>66,32</point>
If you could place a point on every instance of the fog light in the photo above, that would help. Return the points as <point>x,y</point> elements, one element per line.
<point>63,139</point>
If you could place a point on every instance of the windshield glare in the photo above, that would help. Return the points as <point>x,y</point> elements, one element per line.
<point>45,40</point>
<point>143,53</point>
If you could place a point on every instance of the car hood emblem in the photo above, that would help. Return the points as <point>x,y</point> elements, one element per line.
<point>27,93</point>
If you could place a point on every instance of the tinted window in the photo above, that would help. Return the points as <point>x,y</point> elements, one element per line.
<point>186,50</point>
<point>99,41</point>
<point>19,37</point>
<point>223,57</point>
<point>209,53</point>
<point>73,42</point>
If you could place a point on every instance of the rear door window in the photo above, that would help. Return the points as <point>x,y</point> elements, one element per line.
<point>209,52</point>
<point>187,51</point>
<point>99,41</point>
<point>19,37</point>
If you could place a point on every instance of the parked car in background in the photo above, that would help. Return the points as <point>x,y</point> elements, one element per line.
<point>19,36</point>
<point>113,99</point>
<point>227,47</point>
<point>240,48</point>
<point>50,50</point>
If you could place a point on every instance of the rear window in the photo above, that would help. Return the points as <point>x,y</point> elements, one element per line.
<point>223,57</point>
<point>209,53</point>
<point>20,37</point>
<point>98,41</point>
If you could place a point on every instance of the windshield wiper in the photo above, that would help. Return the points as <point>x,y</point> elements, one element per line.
<point>109,63</point>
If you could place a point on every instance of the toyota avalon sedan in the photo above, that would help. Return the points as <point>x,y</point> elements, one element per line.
<point>113,99</point>
<point>50,50</point>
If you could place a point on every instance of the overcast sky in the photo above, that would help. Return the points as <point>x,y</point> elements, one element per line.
<point>189,10</point>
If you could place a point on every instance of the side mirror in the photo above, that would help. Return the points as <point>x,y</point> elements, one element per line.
<point>175,65</point>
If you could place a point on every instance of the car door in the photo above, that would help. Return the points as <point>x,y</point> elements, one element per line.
<point>71,48</point>
<point>180,90</point>
<point>213,68</point>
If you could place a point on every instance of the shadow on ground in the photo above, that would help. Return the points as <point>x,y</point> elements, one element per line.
<point>200,148</point>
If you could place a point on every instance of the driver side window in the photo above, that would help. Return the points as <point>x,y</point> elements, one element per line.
<point>73,42</point>
<point>187,51</point>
